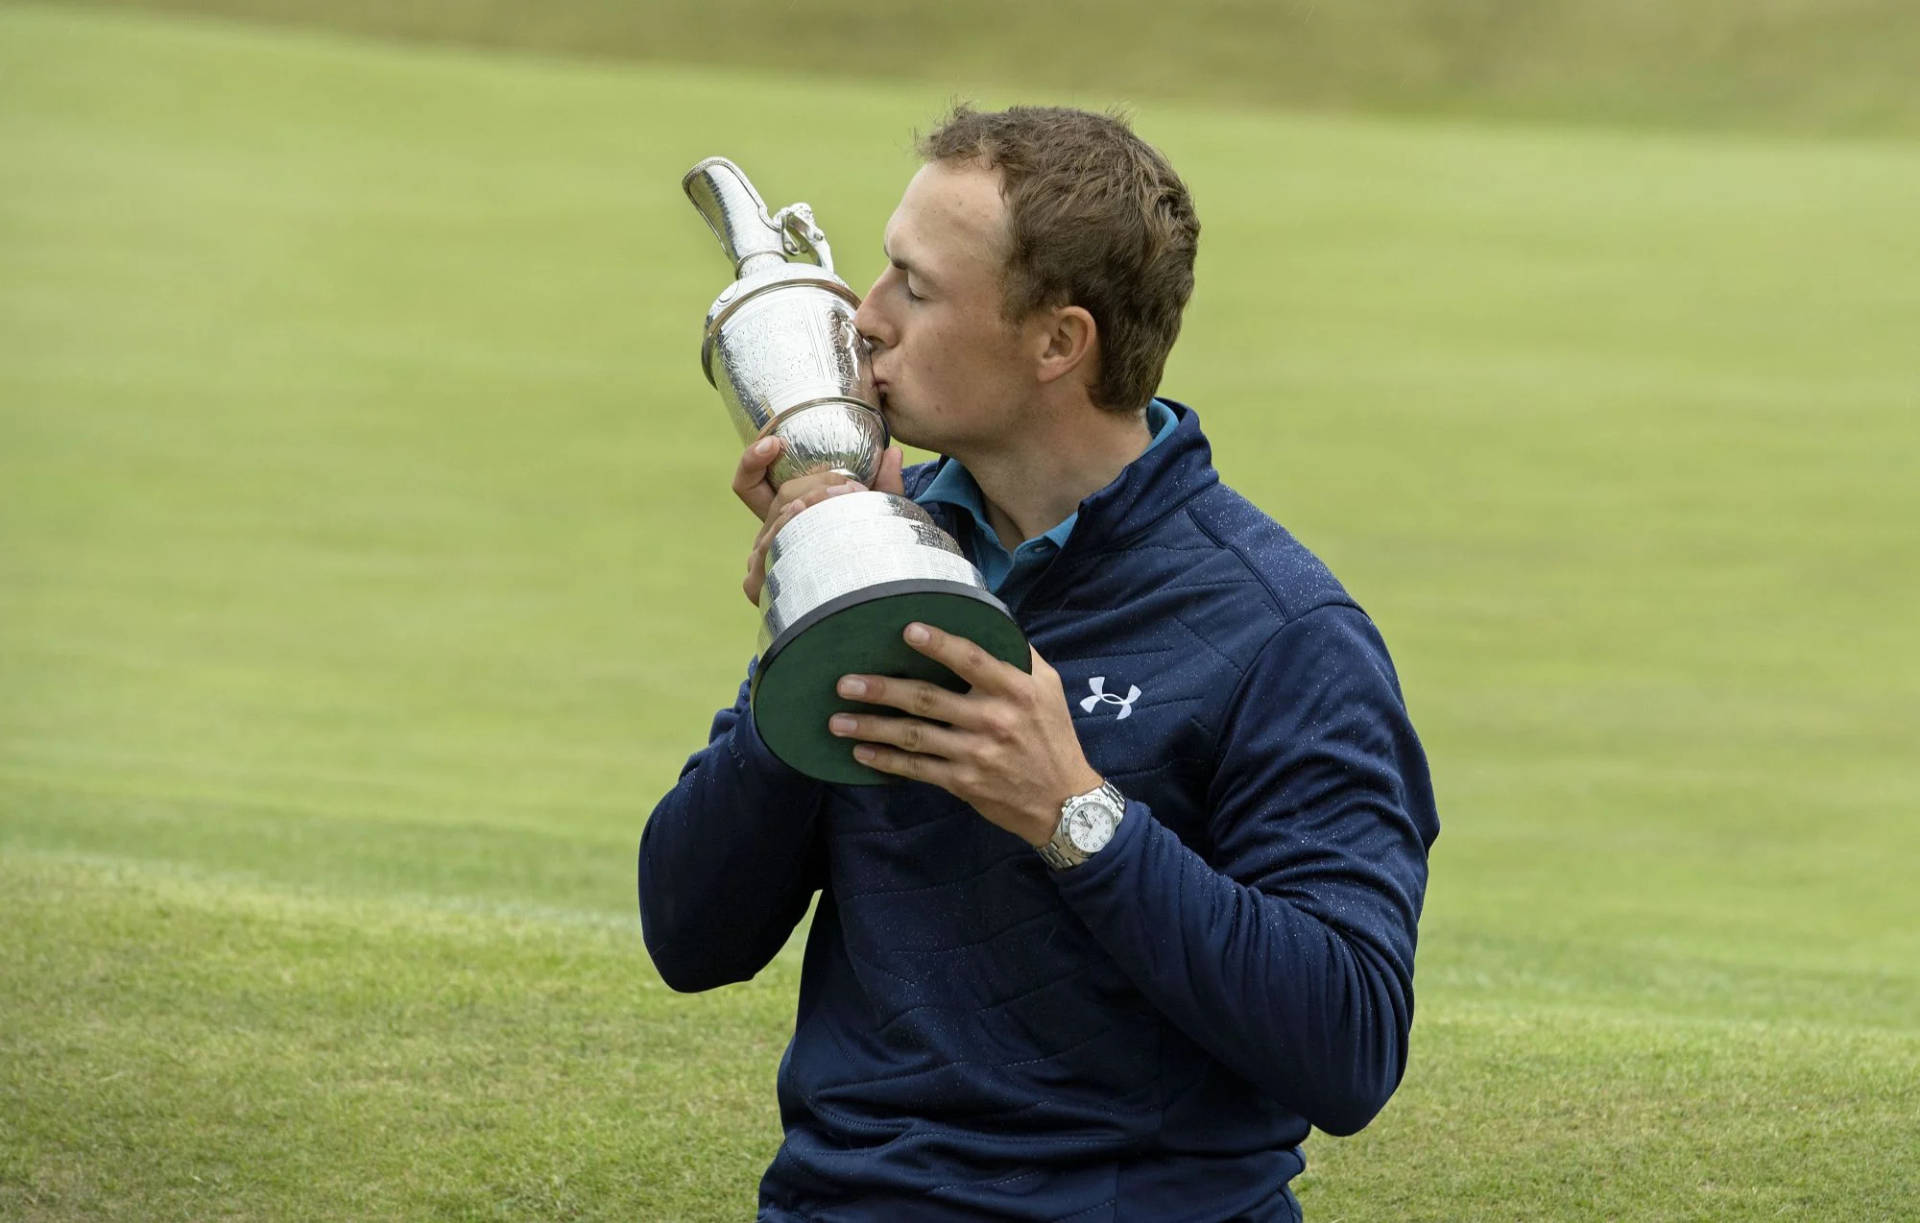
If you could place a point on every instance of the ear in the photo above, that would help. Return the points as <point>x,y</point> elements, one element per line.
<point>1070,341</point>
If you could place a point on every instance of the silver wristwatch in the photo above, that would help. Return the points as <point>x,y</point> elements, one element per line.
<point>1087,823</point>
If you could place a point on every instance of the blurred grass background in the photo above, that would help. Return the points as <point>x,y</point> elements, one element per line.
<point>1831,66</point>
<point>367,568</point>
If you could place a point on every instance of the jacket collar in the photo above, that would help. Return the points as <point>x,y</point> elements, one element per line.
<point>1146,490</point>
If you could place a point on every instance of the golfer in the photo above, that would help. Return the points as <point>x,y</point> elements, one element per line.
<point>1136,921</point>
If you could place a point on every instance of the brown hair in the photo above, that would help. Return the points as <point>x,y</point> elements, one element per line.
<point>1097,219</point>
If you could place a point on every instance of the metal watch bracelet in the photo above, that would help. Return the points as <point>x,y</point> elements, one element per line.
<point>1060,851</point>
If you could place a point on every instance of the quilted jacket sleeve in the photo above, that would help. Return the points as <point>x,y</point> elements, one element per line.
<point>1287,952</point>
<point>729,859</point>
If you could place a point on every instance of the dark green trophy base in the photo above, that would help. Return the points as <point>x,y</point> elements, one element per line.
<point>860,634</point>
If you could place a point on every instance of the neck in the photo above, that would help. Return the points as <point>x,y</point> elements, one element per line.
<point>1032,485</point>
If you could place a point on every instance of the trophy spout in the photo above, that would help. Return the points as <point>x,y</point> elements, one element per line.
<point>736,214</point>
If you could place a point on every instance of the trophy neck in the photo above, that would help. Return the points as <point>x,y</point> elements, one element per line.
<point>736,214</point>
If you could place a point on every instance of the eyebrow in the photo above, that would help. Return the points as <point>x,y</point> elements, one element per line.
<point>906,265</point>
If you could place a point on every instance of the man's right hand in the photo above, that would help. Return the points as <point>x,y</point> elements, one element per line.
<point>777,508</point>
<point>757,493</point>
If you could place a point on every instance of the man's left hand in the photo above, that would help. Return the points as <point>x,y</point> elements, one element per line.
<point>1006,747</point>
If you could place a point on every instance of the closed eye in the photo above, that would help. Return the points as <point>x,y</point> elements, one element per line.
<point>906,272</point>
<point>906,280</point>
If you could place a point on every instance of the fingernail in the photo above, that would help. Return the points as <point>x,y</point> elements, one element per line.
<point>917,634</point>
<point>841,724</point>
<point>837,489</point>
<point>865,754</point>
<point>853,687</point>
<point>765,445</point>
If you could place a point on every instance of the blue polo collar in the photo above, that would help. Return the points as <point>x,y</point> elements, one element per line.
<point>1008,572</point>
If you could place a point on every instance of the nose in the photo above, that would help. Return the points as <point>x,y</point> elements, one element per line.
<point>868,322</point>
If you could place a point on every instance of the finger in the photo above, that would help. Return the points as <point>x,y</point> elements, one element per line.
<point>762,542</point>
<point>756,578</point>
<point>821,492</point>
<point>1042,670</point>
<point>750,482</point>
<point>963,657</point>
<point>914,696</point>
<point>909,765</point>
<point>789,509</point>
<point>779,518</point>
<point>811,488</point>
<point>888,479</point>
<point>908,734</point>
<point>776,521</point>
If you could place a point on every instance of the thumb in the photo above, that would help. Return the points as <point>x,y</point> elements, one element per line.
<point>750,475</point>
<point>888,479</point>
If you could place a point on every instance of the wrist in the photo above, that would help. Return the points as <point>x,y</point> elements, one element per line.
<point>1087,823</point>
<point>1044,820</point>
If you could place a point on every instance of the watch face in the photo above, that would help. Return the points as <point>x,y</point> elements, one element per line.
<point>1090,827</point>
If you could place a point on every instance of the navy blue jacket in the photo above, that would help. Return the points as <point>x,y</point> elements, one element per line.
<point>1149,1035</point>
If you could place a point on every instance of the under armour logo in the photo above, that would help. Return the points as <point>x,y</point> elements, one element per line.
<point>1101,696</point>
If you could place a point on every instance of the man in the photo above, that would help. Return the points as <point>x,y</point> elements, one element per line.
<point>1136,920</point>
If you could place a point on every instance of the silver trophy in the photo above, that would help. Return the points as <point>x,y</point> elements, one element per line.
<point>846,576</point>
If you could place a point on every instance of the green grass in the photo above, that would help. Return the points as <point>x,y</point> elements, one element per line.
<point>1806,65</point>
<point>367,568</point>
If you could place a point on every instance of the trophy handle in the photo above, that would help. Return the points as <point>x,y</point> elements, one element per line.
<point>802,238</point>
<point>737,215</point>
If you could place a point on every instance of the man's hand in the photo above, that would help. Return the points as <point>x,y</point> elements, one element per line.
<point>757,558</point>
<point>776,509</point>
<point>1007,747</point>
<point>757,493</point>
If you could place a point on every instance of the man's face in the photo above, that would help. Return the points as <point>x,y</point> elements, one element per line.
<point>953,374</point>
